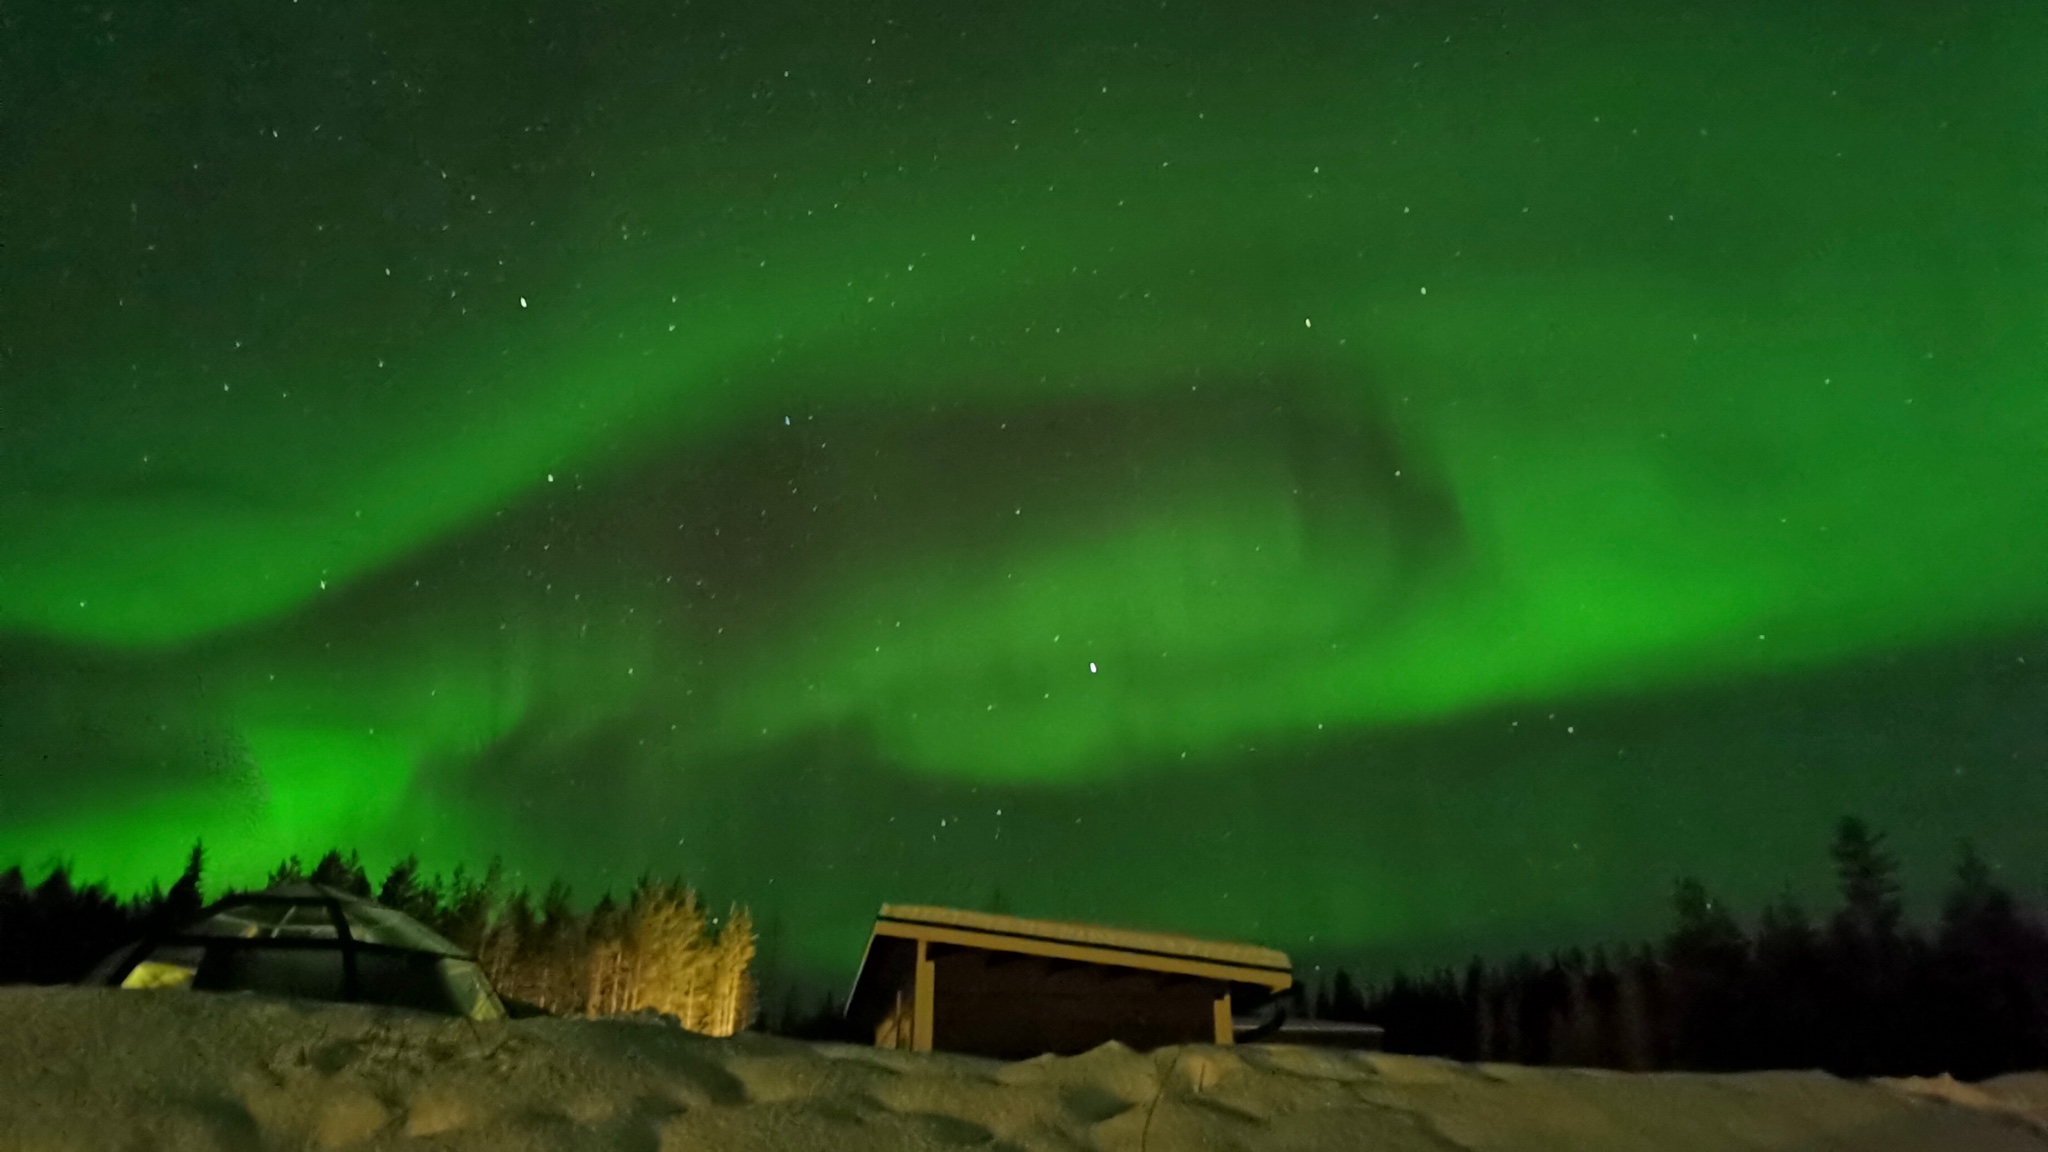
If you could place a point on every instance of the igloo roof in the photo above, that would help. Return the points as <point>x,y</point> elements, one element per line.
<point>303,911</point>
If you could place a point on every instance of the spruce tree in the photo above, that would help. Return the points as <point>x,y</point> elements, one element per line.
<point>1977,906</point>
<point>469,905</point>
<point>288,871</point>
<point>1478,1032</point>
<point>1867,954</point>
<point>402,890</point>
<point>1708,956</point>
<point>1993,976</point>
<point>1868,875</point>
<point>1791,983</point>
<point>186,897</point>
<point>342,872</point>
<point>1346,1003</point>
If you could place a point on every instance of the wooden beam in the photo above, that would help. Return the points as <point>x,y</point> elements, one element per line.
<point>1096,935</point>
<point>1226,1032</point>
<point>921,1009</point>
<point>995,942</point>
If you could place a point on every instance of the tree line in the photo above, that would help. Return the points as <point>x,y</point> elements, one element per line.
<point>660,950</point>
<point>1860,993</point>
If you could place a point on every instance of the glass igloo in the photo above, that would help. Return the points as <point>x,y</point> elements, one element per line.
<point>312,942</point>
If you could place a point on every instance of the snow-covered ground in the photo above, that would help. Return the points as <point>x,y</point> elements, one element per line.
<point>107,1071</point>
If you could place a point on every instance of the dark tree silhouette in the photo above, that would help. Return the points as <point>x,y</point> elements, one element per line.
<point>1870,958</point>
<point>289,872</point>
<point>159,911</point>
<point>403,889</point>
<point>1868,875</point>
<point>1861,992</point>
<point>1345,1002</point>
<point>1707,958</point>
<point>1865,994</point>
<point>823,1021</point>
<point>342,872</point>
<point>467,910</point>
<point>54,931</point>
<point>1993,975</point>
<point>1791,987</point>
<point>187,895</point>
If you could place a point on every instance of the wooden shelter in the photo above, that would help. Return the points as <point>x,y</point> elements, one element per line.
<point>1002,986</point>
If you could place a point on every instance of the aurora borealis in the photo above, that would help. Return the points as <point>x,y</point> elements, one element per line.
<point>1379,479</point>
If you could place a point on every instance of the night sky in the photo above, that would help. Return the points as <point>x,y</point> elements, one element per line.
<point>1380,479</point>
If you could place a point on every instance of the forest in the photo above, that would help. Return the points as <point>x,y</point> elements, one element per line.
<point>657,951</point>
<point>1862,992</point>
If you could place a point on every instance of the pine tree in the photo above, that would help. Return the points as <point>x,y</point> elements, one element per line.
<point>1346,1003</point>
<point>1868,874</point>
<point>1530,1010</point>
<point>1576,1023</point>
<point>157,911</point>
<point>559,947</point>
<point>186,896</point>
<point>67,927</point>
<point>508,946</point>
<point>1993,968</point>
<point>17,940</point>
<point>1649,1029</point>
<point>1603,998</point>
<point>344,873</point>
<point>1977,905</point>
<point>56,890</point>
<point>1479,1022</point>
<point>603,960</point>
<point>470,903</point>
<point>401,889</point>
<point>1791,985</point>
<point>738,995</point>
<point>1867,954</point>
<point>668,955</point>
<point>289,871</point>
<point>1706,936</point>
<point>1708,957</point>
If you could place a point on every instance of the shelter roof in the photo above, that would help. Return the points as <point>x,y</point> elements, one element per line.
<point>1121,939</point>
<point>1084,943</point>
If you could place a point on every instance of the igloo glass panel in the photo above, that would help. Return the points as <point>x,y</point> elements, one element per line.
<point>377,925</point>
<point>307,922</point>
<point>248,921</point>
<point>302,973</point>
<point>168,966</point>
<point>405,980</point>
<point>471,990</point>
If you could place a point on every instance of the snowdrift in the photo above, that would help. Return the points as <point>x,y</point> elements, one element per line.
<point>109,1071</point>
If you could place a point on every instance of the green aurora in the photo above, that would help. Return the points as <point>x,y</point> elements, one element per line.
<point>1380,479</point>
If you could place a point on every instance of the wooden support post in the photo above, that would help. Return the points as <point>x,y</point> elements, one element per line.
<point>1225,1032</point>
<point>921,1007</point>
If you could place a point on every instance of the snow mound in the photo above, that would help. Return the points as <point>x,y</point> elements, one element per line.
<point>95,1070</point>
